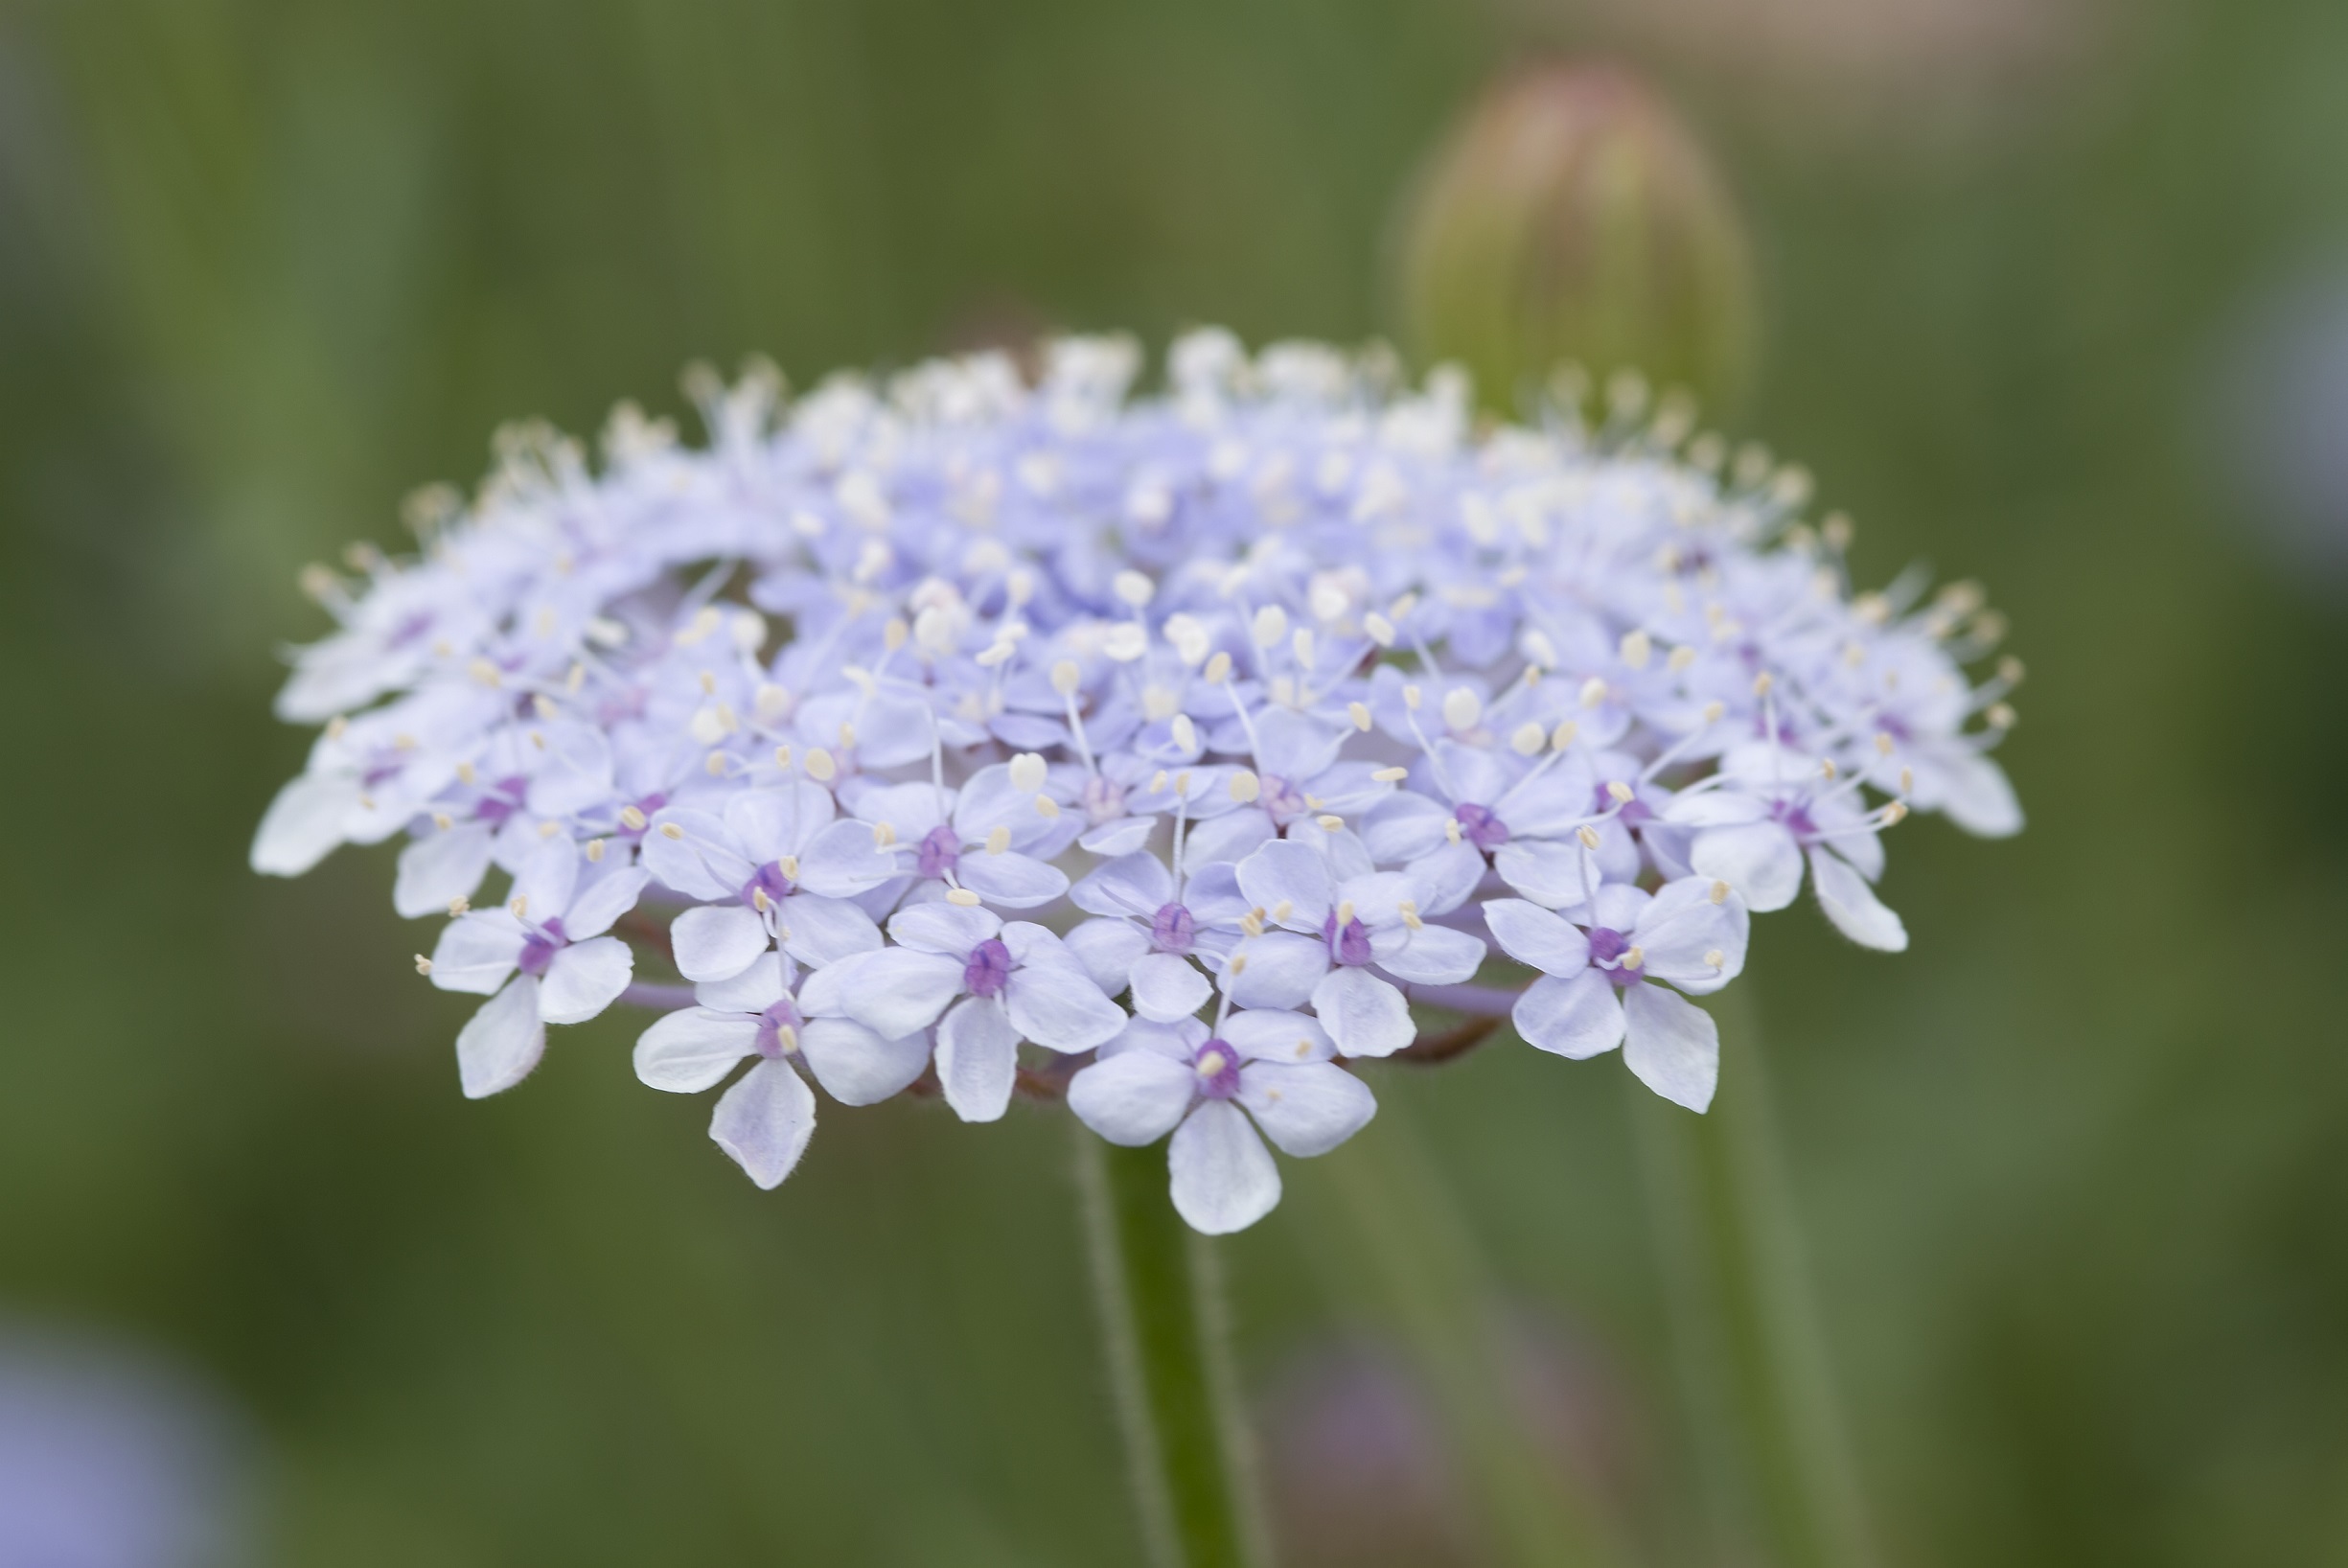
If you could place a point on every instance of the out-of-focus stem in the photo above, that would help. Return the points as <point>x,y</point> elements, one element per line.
<point>1438,1289</point>
<point>1752,1356</point>
<point>665,998</point>
<point>1160,1290</point>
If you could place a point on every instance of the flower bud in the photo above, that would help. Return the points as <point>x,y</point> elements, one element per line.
<point>1573,216</point>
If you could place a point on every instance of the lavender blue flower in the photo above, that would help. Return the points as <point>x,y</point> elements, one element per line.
<point>954,733</point>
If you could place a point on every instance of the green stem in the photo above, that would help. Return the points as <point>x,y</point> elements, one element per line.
<point>1161,1292</point>
<point>1744,1325</point>
<point>1439,1291</point>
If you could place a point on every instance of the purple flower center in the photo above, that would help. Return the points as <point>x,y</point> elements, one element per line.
<point>941,850</point>
<point>1795,816</point>
<point>988,968</point>
<point>1632,810</point>
<point>1479,826</point>
<point>1217,1065</point>
<point>1172,928</point>
<point>1281,798</point>
<point>543,944</point>
<point>769,881</point>
<point>771,1023</point>
<point>1102,799</point>
<point>503,800</point>
<point>410,631</point>
<point>1607,947</point>
<point>1348,944</point>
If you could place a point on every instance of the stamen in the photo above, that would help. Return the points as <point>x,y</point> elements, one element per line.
<point>820,765</point>
<point>1527,739</point>
<point>1391,775</point>
<point>671,832</point>
<point>1218,670</point>
<point>961,897</point>
<point>1245,787</point>
<point>1281,911</point>
<point>1720,892</point>
<point>594,850</point>
<point>1714,959</point>
<point>1588,835</point>
<point>459,904</point>
<point>998,840</point>
<point>424,965</point>
<point>1330,824</point>
<point>1592,692</point>
<point>1359,713</point>
<point>1563,735</point>
<point>1381,630</point>
<point>884,834</point>
<point>1027,771</point>
<point>1461,709</point>
<point>1618,791</point>
<point>633,817</point>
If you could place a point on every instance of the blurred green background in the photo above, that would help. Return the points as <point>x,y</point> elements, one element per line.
<point>2072,1170</point>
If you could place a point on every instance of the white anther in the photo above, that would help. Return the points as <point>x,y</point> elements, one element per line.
<point>1281,911</point>
<point>1400,610</point>
<point>546,830</point>
<point>672,832</point>
<point>1245,785</point>
<point>459,904</point>
<point>1390,775</point>
<point>1271,624</point>
<point>485,673</point>
<point>782,758</point>
<point>759,900</point>
<point>1451,829</point>
<point>1907,781</point>
<point>1588,835</point>
<point>2001,716</point>
<point>820,765</point>
<point>1408,909</point>
<point>894,633</point>
<point>998,840</point>
<point>1461,709</point>
<point>1826,769</point>
<point>633,818</point>
<point>1186,733</point>
<point>1637,649</point>
<point>1720,892</point>
<point>1412,697</point>
<point>1592,692</point>
<point>1210,1063</point>
<point>1359,713</point>
<point>1713,711</point>
<point>1563,735</point>
<point>707,621</point>
<point>1762,684</point>
<point>466,773</point>
<point>962,897</point>
<point>1883,743</point>
<point>1895,810</point>
<point>884,834</point>
<point>1345,913</point>
<point>1381,630</point>
<point>1157,782</point>
<point>1635,958</point>
<point>442,820</point>
<point>1328,824</point>
<point>424,965</point>
<point>715,766</point>
<point>521,907</point>
<point>1681,657</point>
<point>1159,702</point>
<point>1182,784</point>
<point>1714,959</point>
<point>1237,967</point>
<point>1539,651</point>
<point>1252,924</point>
<point>544,706</point>
<point>1218,670</point>
<point>1046,807</point>
<point>1133,588</point>
<point>1619,792</point>
<point>789,866</point>
<point>1125,641</point>
<point>1028,772</point>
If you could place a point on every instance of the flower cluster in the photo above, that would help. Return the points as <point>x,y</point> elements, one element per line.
<point>969,733</point>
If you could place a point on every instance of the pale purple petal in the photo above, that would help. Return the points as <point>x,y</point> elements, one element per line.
<point>1138,886</point>
<point>1760,859</point>
<point>1532,936</point>
<point>818,931</point>
<point>1281,970</point>
<point>1428,956</point>
<point>1222,1176</point>
<point>1166,987</point>
<point>1011,878</point>
<point>1284,873</point>
<point>760,984</point>
<point>476,952</point>
<point>439,868</point>
<point>1057,1005</point>
<point>764,1121</point>
<point>841,861</point>
<point>602,898</point>
<point>943,927</point>
<point>716,941</point>
<point>1852,905</point>
<point>502,1042</point>
<point>858,1067</point>
<point>585,979</point>
<point>1108,948</point>
<point>1133,1098</point>
<point>1673,1045</point>
<point>303,823</point>
<point>688,1052</point>
<point>1577,1017</point>
<point>978,1059</point>
<point>1365,1015</point>
<point>1308,1108</point>
<point>1273,1035</point>
<point>896,991</point>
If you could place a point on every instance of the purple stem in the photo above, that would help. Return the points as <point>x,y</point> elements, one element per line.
<point>1478,1001</point>
<point>666,998</point>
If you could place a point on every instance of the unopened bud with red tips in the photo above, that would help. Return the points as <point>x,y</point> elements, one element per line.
<point>1572,216</point>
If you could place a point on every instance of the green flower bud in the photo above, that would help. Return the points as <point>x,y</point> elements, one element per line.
<point>1572,216</point>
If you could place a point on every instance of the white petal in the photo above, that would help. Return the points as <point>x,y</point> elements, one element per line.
<point>1532,936</point>
<point>1558,876</point>
<point>774,822</point>
<point>760,986</point>
<point>707,861</point>
<point>303,823</point>
<point>1852,905</point>
<point>842,861</point>
<point>1011,878</point>
<point>896,991</point>
<point>1133,1098</point>
<point>1673,1045</point>
<point>502,1042</point>
<point>858,1067</point>
<point>439,868</point>
<point>1118,836</point>
<point>764,1121</point>
<point>1975,794</point>
<point>1224,1179</point>
<point>717,941</point>
<point>1577,1017</point>
<point>1307,1109</point>
<point>1108,948</point>
<point>476,952</point>
<point>1285,872</point>
<point>574,770</point>
<point>1166,987</point>
<point>690,1051</point>
<point>1402,827</point>
<point>1055,1003</point>
<point>818,931</point>
<point>547,879</point>
<point>1273,1035</point>
<point>1430,955</point>
<point>1281,970</point>
<point>943,927</point>
<point>1760,859</point>
<point>601,900</point>
<point>1134,885</point>
<point>978,1059</point>
<point>1365,1015</point>
<point>1695,944</point>
<point>585,979</point>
